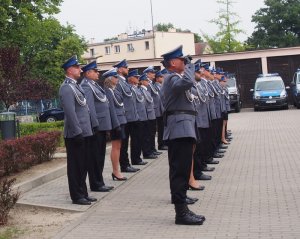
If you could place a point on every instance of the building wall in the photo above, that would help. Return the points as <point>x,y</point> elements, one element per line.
<point>166,41</point>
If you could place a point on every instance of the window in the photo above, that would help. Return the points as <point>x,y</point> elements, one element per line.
<point>147,45</point>
<point>92,52</point>
<point>107,50</point>
<point>117,49</point>
<point>130,47</point>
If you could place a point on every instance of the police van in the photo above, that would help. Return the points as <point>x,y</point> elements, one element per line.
<point>269,92</point>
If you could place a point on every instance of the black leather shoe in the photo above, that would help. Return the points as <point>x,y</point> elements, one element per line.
<point>81,201</point>
<point>223,146</point>
<point>200,188</point>
<point>203,177</point>
<point>156,153</point>
<point>213,162</point>
<point>109,187</point>
<point>220,151</point>
<point>91,199</point>
<point>229,138</point>
<point>129,169</point>
<point>164,147</point>
<point>185,217</point>
<point>192,199</point>
<point>151,156</point>
<point>208,169</point>
<point>218,156</point>
<point>140,163</point>
<point>189,201</point>
<point>101,189</point>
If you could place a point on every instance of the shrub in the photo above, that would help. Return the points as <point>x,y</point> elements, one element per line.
<point>19,154</point>
<point>7,199</point>
<point>32,128</point>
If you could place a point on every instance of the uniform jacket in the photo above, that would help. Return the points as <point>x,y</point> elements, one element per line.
<point>211,100</point>
<point>98,104</point>
<point>140,103</point>
<point>117,111</point>
<point>217,100</point>
<point>154,90</point>
<point>202,107</point>
<point>149,103</point>
<point>176,90</point>
<point>77,116</point>
<point>129,103</point>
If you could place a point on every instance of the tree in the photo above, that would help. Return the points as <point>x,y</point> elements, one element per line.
<point>43,42</point>
<point>163,27</point>
<point>227,22</point>
<point>277,25</point>
<point>15,81</point>
<point>197,38</point>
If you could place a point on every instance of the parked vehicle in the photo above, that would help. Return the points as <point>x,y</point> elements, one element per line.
<point>234,93</point>
<point>269,92</point>
<point>51,115</point>
<point>295,87</point>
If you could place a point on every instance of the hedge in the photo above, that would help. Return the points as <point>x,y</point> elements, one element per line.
<point>33,128</point>
<point>20,154</point>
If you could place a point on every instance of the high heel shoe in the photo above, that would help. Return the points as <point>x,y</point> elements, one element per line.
<point>200,188</point>
<point>114,177</point>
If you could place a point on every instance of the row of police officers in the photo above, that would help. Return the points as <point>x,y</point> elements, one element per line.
<point>186,104</point>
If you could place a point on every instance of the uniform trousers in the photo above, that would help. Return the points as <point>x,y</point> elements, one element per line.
<point>96,158</point>
<point>202,151</point>
<point>214,130</point>
<point>152,126</point>
<point>77,166</point>
<point>180,154</point>
<point>160,131</point>
<point>145,138</point>
<point>132,130</point>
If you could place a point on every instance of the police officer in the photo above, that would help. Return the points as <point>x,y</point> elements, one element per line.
<point>147,142</point>
<point>131,116</point>
<point>77,130</point>
<point>159,78</point>
<point>180,131</point>
<point>101,123</point>
<point>154,91</point>
<point>133,80</point>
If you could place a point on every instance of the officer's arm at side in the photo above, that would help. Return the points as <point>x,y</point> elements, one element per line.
<point>68,103</point>
<point>90,101</point>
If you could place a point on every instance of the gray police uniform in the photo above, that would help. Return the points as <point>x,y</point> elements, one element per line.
<point>77,128</point>
<point>180,130</point>
<point>101,122</point>
<point>132,128</point>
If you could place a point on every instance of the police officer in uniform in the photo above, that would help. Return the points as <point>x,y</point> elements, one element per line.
<point>180,131</point>
<point>101,123</point>
<point>77,131</point>
<point>133,80</point>
<point>159,78</point>
<point>131,116</point>
<point>154,91</point>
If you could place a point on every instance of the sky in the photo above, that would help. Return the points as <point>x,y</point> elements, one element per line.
<point>100,19</point>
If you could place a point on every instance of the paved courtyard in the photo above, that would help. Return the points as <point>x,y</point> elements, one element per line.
<point>254,193</point>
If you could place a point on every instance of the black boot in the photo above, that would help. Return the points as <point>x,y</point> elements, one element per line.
<point>185,217</point>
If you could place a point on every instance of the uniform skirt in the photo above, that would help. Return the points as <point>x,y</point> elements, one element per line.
<point>118,134</point>
<point>225,116</point>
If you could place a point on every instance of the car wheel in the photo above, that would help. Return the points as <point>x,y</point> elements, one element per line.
<point>51,119</point>
<point>237,108</point>
<point>286,107</point>
<point>255,109</point>
<point>298,106</point>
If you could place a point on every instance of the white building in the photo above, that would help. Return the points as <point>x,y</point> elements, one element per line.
<point>139,46</point>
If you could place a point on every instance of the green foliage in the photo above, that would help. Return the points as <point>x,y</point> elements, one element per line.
<point>10,233</point>
<point>111,39</point>
<point>33,128</point>
<point>197,38</point>
<point>225,38</point>
<point>277,25</point>
<point>163,27</point>
<point>44,43</point>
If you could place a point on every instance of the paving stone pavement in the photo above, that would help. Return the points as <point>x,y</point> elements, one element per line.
<point>254,193</point>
